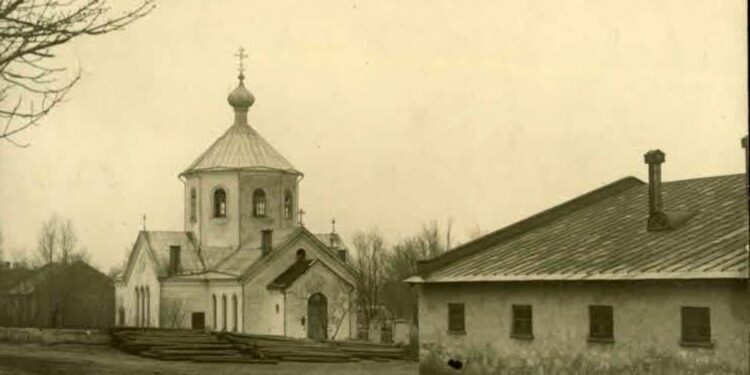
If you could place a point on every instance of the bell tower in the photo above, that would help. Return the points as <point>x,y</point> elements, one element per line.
<point>240,185</point>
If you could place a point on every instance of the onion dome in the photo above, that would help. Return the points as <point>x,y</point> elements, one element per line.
<point>240,97</point>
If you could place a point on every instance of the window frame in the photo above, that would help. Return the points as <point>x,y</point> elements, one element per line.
<point>219,211</point>
<point>260,203</point>
<point>456,308</point>
<point>688,320</point>
<point>526,331</point>
<point>288,205</point>
<point>601,315</point>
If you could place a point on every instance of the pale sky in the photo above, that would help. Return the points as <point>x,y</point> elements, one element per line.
<point>398,111</point>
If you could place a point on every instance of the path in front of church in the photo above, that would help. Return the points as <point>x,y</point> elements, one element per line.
<point>24,359</point>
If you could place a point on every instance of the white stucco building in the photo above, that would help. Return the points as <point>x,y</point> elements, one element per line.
<point>243,261</point>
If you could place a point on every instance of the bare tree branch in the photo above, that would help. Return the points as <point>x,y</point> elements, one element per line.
<point>30,31</point>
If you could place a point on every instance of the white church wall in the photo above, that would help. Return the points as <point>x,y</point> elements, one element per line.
<point>320,279</point>
<point>181,299</point>
<point>260,314</point>
<point>219,231</point>
<point>274,184</point>
<point>222,318</point>
<point>192,220</point>
<point>144,277</point>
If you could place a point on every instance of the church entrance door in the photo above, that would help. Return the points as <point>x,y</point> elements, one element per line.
<point>317,317</point>
<point>198,320</point>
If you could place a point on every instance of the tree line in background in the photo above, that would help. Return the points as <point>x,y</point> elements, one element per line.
<point>381,270</point>
<point>57,242</point>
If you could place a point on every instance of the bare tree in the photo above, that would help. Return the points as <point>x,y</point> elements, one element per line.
<point>172,313</point>
<point>67,241</point>
<point>30,33</point>
<point>369,265</point>
<point>476,232</point>
<point>58,242</point>
<point>399,299</point>
<point>47,241</point>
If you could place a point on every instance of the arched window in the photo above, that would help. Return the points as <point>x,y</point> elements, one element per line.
<point>288,206</point>
<point>223,312</point>
<point>214,308</point>
<point>301,254</point>
<point>220,203</point>
<point>259,203</point>
<point>137,307</point>
<point>148,306</point>
<point>234,313</point>
<point>193,205</point>
<point>143,306</point>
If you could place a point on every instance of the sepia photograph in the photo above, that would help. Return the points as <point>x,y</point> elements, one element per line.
<point>374,187</point>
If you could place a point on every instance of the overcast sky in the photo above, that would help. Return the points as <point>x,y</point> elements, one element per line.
<point>398,112</point>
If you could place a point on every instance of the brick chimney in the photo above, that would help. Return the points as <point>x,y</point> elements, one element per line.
<point>266,241</point>
<point>654,159</point>
<point>174,260</point>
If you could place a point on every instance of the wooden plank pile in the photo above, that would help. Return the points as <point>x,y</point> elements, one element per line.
<point>288,349</point>
<point>174,344</point>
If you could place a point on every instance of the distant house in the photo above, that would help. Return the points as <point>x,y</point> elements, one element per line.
<point>57,295</point>
<point>628,278</point>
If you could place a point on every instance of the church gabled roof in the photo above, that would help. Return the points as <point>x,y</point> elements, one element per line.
<point>241,147</point>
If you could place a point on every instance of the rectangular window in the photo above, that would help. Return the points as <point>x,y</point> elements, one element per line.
<point>601,324</point>
<point>696,326</point>
<point>522,322</point>
<point>456,317</point>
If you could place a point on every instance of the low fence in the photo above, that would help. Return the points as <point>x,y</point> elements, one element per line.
<point>49,336</point>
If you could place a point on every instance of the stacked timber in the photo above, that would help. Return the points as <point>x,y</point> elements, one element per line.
<point>174,344</point>
<point>288,349</point>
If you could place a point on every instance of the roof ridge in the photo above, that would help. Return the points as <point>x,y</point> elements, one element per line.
<point>544,217</point>
<point>704,178</point>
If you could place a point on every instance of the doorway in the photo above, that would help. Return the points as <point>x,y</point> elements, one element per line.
<point>198,320</point>
<point>317,317</point>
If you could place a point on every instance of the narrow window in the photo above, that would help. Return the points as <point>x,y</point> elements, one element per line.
<point>234,313</point>
<point>148,306</point>
<point>223,312</point>
<point>288,206</point>
<point>137,307</point>
<point>220,203</point>
<point>214,308</point>
<point>522,322</point>
<point>601,323</point>
<point>193,205</point>
<point>259,203</point>
<point>456,317</point>
<point>696,325</point>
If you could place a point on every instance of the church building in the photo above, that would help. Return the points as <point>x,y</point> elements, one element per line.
<point>244,261</point>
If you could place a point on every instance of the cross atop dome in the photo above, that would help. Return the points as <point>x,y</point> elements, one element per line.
<point>240,98</point>
<point>241,56</point>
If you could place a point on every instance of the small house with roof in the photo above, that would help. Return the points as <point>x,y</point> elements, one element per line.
<point>633,277</point>
<point>244,261</point>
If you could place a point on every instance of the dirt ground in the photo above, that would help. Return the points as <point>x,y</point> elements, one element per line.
<point>23,359</point>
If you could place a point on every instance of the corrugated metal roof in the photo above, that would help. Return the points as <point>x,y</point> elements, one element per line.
<point>160,241</point>
<point>604,236</point>
<point>239,260</point>
<point>241,147</point>
<point>288,277</point>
